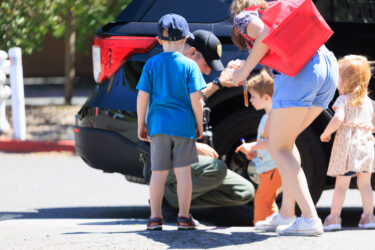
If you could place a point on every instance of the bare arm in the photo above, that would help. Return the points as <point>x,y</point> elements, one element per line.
<point>249,148</point>
<point>197,104</point>
<point>142,102</point>
<point>210,89</point>
<point>259,145</point>
<point>257,30</point>
<point>333,125</point>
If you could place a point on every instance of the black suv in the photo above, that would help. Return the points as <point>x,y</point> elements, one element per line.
<point>106,126</point>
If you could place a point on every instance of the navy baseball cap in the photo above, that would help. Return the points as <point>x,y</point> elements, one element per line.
<point>210,47</point>
<point>173,27</point>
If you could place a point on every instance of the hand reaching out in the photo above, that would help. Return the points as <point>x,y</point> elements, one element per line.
<point>235,64</point>
<point>226,76</point>
<point>247,150</point>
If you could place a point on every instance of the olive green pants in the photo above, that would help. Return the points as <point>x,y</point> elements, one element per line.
<point>213,186</point>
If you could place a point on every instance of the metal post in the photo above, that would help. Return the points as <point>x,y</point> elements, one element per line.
<point>18,98</point>
<point>4,91</point>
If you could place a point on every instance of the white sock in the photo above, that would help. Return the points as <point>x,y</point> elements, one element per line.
<point>307,220</point>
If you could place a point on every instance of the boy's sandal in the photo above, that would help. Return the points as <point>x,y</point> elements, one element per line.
<point>154,224</point>
<point>187,223</point>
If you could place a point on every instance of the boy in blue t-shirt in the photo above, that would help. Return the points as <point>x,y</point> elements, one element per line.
<point>170,87</point>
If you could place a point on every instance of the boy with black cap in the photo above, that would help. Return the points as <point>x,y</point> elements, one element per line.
<point>170,87</point>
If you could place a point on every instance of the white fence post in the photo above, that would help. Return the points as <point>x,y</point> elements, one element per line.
<point>4,91</point>
<point>18,98</point>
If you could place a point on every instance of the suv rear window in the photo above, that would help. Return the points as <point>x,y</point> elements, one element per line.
<point>195,11</point>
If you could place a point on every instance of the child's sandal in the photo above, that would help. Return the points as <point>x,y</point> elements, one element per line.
<point>187,223</point>
<point>154,224</point>
<point>332,223</point>
<point>367,221</point>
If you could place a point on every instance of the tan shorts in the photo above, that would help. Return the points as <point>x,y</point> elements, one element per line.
<point>169,151</point>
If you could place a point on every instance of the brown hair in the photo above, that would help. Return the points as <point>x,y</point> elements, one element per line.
<point>261,83</point>
<point>355,75</point>
<point>238,40</point>
<point>236,7</point>
<point>239,5</point>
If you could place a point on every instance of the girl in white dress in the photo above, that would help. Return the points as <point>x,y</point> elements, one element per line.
<point>353,148</point>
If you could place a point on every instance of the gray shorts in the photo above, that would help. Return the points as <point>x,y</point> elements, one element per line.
<point>169,151</point>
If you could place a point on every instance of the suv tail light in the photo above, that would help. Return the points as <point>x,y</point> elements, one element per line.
<point>110,53</point>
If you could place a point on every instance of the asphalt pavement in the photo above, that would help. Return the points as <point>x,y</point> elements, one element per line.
<point>55,201</point>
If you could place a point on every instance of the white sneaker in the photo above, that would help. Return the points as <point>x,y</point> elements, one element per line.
<point>302,228</point>
<point>272,221</point>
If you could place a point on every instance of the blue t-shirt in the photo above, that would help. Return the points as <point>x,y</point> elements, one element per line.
<point>170,78</point>
<point>263,161</point>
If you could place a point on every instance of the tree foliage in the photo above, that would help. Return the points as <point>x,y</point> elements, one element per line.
<point>24,23</point>
<point>89,16</point>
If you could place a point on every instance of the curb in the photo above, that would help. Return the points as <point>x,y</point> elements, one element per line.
<point>28,146</point>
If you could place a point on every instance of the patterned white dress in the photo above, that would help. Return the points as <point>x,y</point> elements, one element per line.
<point>353,148</point>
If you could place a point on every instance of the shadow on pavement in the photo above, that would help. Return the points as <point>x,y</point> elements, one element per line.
<point>80,213</point>
<point>204,239</point>
<point>192,239</point>
<point>227,216</point>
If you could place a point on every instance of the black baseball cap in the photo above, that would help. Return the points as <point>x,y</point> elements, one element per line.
<point>175,27</point>
<point>210,47</point>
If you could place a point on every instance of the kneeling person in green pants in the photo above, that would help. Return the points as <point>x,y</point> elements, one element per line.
<point>213,184</point>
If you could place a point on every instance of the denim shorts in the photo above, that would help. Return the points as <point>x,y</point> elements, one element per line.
<point>314,85</point>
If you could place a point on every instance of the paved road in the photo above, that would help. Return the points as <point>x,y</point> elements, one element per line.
<point>55,201</point>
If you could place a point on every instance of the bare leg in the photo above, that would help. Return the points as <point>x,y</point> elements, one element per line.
<point>285,125</point>
<point>311,115</point>
<point>287,209</point>
<point>184,189</point>
<point>157,183</point>
<point>364,186</point>
<point>341,185</point>
<point>288,203</point>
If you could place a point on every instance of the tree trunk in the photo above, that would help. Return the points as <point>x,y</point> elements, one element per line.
<point>70,49</point>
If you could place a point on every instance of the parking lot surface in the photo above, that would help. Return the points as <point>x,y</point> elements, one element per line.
<point>55,201</point>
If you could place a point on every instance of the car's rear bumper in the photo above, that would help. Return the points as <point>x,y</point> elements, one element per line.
<point>108,151</point>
